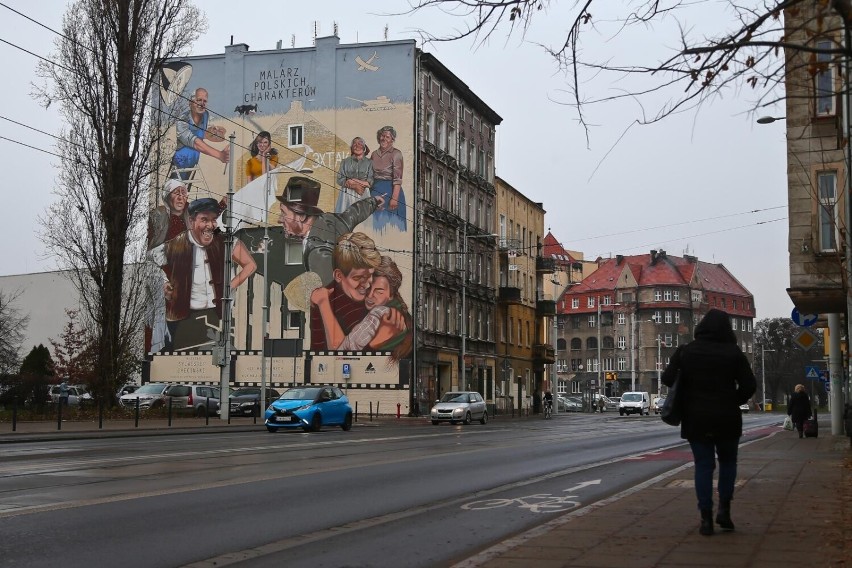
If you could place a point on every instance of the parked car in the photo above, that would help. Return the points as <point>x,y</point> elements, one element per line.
<point>126,389</point>
<point>744,408</point>
<point>149,395</point>
<point>569,404</point>
<point>246,401</point>
<point>78,395</point>
<point>200,400</point>
<point>455,407</point>
<point>309,408</point>
<point>658,404</point>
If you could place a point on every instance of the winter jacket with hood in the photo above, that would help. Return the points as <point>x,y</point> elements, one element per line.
<point>715,379</point>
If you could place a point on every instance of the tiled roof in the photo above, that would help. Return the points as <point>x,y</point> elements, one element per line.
<point>552,248</point>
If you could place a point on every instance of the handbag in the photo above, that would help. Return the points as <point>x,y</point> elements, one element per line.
<point>788,423</point>
<point>672,409</point>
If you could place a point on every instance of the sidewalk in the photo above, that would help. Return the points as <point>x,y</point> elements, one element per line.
<point>792,507</point>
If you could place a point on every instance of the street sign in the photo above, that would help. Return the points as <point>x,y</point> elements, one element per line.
<point>823,375</point>
<point>347,371</point>
<point>803,320</point>
<point>811,373</point>
<point>805,339</point>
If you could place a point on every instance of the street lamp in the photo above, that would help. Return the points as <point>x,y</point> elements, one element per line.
<point>769,119</point>
<point>659,366</point>
<point>464,315</point>
<point>763,351</point>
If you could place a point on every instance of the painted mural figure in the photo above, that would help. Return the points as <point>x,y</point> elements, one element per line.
<point>355,176</point>
<point>261,149</point>
<point>388,323</point>
<point>193,266</point>
<point>388,172</point>
<point>319,231</point>
<point>354,258</point>
<point>169,219</point>
<point>193,135</point>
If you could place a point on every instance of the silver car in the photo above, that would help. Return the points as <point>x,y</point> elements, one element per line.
<point>149,396</point>
<point>460,406</point>
<point>200,400</point>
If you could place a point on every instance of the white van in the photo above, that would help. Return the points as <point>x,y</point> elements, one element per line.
<point>634,402</point>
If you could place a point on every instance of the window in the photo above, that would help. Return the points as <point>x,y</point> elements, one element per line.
<point>442,135</point>
<point>292,252</point>
<point>658,295</point>
<point>677,317</point>
<point>676,295</point>
<point>657,317</point>
<point>294,320</point>
<point>591,343</point>
<point>575,303</point>
<point>592,321</point>
<point>590,302</point>
<point>575,322</point>
<point>824,79</point>
<point>576,344</point>
<point>607,300</point>
<point>667,295</point>
<point>439,191</point>
<point>430,126</point>
<point>734,323</point>
<point>668,316</point>
<point>828,226</point>
<point>608,364</point>
<point>608,342</point>
<point>576,364</point>
<point>667,340</point>
<point>742,324</point>
<point>622,363</point>
<point>296,135</point>
<point>622,342</point>
<point>621,319</point>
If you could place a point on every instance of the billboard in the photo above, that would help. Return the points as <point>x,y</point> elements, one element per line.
<point>322,170</point>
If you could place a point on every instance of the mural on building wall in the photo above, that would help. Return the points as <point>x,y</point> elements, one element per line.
<point>320,211</point>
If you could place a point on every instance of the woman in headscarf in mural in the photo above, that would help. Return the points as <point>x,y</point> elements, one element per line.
<point>261,149</point>
<point>355,175</point>
<point>388,325</point>
<point>169,219</point>
<point>387,171</point>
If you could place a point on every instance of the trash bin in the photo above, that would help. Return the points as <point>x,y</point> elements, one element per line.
<point>768,407</point>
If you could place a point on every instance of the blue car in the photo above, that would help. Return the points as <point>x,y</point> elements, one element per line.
<point>309,408</point>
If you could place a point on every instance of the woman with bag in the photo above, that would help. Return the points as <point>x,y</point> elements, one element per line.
<point>799,408</point>
<point>714,379</point>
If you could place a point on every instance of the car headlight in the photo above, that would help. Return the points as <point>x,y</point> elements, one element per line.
<point>458,411</point>
<point>303,407</point>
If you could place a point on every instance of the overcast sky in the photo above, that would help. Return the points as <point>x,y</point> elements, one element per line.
<point>711,183</point>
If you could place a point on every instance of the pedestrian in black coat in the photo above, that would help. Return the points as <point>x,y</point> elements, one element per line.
<point>799,408</point>
<point>714,379</point>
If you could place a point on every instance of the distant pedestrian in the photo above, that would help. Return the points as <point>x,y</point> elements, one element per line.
<point>601,404</point>
<point>714,379</point>
<point>799,408</point>
<point>63,393</point>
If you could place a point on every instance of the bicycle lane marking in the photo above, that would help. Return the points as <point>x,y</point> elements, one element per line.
<point>536,503</point>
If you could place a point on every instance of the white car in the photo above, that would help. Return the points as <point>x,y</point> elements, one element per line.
<point>455,407</point>
<point>77,395</point>
<point>149,396</point>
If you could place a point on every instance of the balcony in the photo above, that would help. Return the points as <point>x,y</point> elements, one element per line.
<point>545,264</point>
<point>543,354</point>
<point>509,294</point>
<point>545,308</point>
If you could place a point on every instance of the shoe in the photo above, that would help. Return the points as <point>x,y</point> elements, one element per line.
<point>723,517</point>
<point>706,527</point>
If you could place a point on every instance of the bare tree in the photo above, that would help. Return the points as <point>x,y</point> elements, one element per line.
<point>102,74</point>
<point>13,324</point>
<point>750,58</point>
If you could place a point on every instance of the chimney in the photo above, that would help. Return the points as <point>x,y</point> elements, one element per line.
<point>619,258</point>
<point>653,257</point>
<point>662,253</point>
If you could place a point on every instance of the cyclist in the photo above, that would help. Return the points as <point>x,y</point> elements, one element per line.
<point>548,404</point>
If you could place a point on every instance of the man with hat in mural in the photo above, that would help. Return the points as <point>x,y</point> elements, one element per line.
<point>169,219</point>
<point>319,231</point>
<point>194,272</point>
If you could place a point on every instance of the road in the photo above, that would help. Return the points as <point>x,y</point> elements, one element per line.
<point>410,495</point>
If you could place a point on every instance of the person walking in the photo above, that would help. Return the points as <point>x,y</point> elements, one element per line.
<point>714,379</point>
<point>799,408</point>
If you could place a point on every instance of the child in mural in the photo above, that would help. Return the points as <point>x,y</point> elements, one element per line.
<point>192,277</point>
<point>386,327</point>
<point>193,136</point>
<point>354,259</point>
<point>387,171</point>
<point>355,175</point>
<point>261,149</point>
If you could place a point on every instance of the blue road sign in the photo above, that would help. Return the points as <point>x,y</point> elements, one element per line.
<point>823,375</point>
<point>812,373</point>
<point>803,320</point>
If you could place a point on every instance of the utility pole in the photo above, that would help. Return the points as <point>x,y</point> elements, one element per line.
<point>223,345</point>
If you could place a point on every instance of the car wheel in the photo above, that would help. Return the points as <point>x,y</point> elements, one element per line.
<point>271,429</point>
<point>467,419</point>
<point>347,422</point>
<point>484,419</point>
<point>435,422</point>
<point>316,423</point>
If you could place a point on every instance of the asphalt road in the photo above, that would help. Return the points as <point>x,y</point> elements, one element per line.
<point>375,496</point>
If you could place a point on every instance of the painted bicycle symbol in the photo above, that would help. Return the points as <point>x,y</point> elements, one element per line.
<point>536,503</point>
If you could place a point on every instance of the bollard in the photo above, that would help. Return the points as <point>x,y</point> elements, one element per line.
<point>170,412</point>
<point>378,402</point>
<point>14,413</point>
<point>207,412</point>
<point>397,411</point>
<point>356,411</point>
<point>371,411</point>
<point>100,415</point>
<point>59,416</point>
<point>137,413</point>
